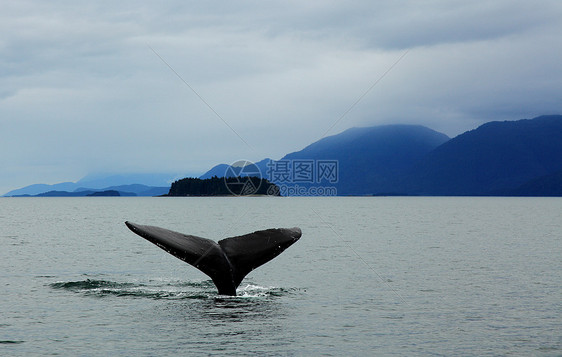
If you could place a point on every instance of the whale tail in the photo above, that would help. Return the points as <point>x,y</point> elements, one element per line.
<point>226,262</point>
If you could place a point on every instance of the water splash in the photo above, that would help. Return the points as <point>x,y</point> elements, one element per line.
<point>165,289</point>
<point>256,291</point>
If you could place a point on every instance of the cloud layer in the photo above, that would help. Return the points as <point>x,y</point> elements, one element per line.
<point>82,91</point>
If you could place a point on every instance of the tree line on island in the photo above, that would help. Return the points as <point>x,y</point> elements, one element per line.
<point>221,186</point>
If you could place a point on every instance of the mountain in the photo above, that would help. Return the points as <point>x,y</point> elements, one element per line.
<point>495,157</point>
<point>224,170</point>
<point>522,157</point>
<point>134,189</point>
<point>369,159</point>
<point>106,193</point>
<point>41,188</point>
<point>100,180</point>
<point>549,185</point>
<point>138,184</point>
<point>217,170</point>
<point>123,190</point>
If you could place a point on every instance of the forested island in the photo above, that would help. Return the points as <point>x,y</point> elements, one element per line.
<point>220,186</point>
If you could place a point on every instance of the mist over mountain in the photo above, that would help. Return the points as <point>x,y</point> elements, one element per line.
<point>522,157</point>
<point>250,169</point>
<point>138,184</point>
<point>101,180</point>
<point>42,188</point>
<point>369,159</point>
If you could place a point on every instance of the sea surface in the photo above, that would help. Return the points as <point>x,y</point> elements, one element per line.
<point>388,276</point>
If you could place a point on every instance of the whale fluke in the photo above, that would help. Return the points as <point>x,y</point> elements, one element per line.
<point>226,262</point>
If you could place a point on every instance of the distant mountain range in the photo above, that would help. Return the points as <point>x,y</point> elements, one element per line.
<point>123,190</point>
<point>498,158</point>
<point>108,193</point>
<point>145,185</point>
<point>510,158</point>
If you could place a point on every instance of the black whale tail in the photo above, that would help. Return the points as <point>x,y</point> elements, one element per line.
<point>226,262</point>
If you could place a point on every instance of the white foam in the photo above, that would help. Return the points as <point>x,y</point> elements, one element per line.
<point>251,290</point>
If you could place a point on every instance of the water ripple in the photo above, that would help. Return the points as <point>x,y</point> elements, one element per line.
<point>172,290</point>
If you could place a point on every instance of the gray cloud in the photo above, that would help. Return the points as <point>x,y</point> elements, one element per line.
<point>81,91</point>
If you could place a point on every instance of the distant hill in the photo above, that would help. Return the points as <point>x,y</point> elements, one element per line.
<point>100,180</point>
<point>125,184</point>
<point>522,158</point>
<point>219,170</point>
<point>225,170</point>
<point>495,157</point>
<point>134,189</point>
<point>41,188</point>
<point>371,158</point>
<point>368,158</point>
<point>106,193</point>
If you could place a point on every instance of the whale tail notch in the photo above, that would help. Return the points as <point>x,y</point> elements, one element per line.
<point>226,262</point>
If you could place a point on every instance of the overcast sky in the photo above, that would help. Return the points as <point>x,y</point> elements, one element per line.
<point>94,86</point>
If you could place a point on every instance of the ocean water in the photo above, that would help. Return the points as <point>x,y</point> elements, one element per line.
<point>382,276</point>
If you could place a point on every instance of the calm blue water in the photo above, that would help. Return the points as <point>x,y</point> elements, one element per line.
<point>379,276</point>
